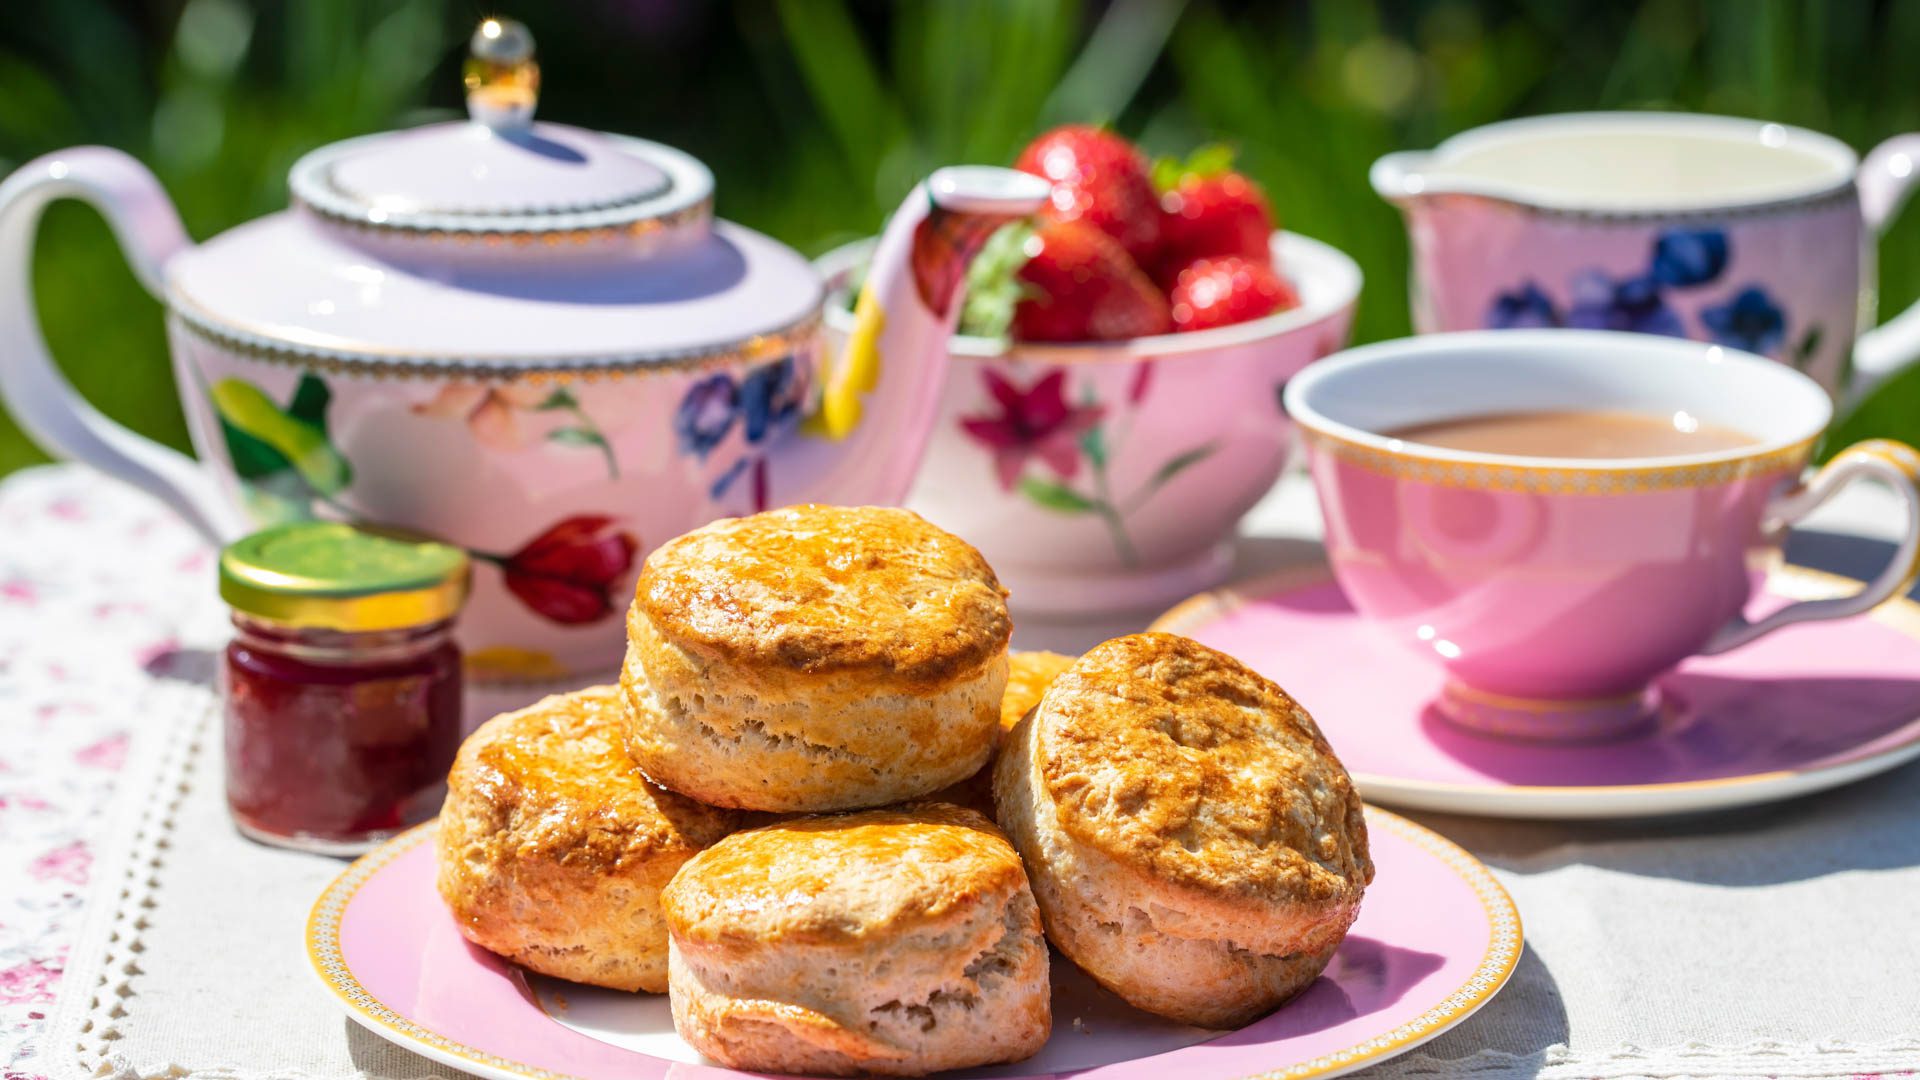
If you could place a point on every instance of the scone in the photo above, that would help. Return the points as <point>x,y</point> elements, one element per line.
<point>1028,676</point>
<point>898,942</point>
<point>553,848</point>
<point>815,658</point>
<point>1194,844</point>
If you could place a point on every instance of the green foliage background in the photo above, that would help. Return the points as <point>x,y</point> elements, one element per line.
<point>817,114</point>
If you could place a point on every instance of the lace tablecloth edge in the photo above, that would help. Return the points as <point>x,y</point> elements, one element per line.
<point>104,958</point>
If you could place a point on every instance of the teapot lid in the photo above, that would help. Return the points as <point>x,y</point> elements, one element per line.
<point>496,247</point>
<point>500,173</point>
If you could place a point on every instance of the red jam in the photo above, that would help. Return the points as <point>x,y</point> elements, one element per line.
<point>337,740</point>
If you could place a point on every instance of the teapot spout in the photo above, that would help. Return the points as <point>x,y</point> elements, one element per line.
<point>910,302</point>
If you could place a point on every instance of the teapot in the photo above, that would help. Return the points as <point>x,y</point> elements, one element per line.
<point>530,340</point>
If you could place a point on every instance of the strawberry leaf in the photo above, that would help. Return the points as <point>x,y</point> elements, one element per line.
<point>1210,160</point>
<point>994,288</point>
<point>1167,172</point>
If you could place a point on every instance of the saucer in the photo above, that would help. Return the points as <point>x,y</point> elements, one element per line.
<point>1810,707</point>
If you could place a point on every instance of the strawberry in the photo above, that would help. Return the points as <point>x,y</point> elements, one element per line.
<point>1220,292</point>
<point>1080,285</point>
<point>1101,179</point>
<point>1209,211</point>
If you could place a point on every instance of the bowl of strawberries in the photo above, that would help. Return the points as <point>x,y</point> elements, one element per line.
<point>1112,408</point>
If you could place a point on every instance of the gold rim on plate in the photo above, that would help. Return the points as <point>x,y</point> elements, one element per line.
<point>1505,943</point>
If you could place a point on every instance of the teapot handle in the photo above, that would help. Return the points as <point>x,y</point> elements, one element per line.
<point>41,399</point>
<point>1886,180</point>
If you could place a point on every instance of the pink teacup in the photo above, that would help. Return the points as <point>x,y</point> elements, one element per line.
<point>1553,590</point>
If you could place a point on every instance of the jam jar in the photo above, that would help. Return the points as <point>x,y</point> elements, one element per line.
<point>341,684</point>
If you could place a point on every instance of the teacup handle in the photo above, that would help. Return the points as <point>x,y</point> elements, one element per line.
<point>42,400</point>
<point>1887,178</point>
<point>1894,462</point>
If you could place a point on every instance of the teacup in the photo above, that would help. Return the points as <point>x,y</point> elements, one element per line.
<point>1752,235</point>
<point>1553,590</point>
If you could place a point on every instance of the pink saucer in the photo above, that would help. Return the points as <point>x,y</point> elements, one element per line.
<point>1436,939</point>
<point>1812,707</point>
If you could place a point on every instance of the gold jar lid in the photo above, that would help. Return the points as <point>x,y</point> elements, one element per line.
<point>332,576</point>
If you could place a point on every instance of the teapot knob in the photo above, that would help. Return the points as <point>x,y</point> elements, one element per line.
<point>502,77</point>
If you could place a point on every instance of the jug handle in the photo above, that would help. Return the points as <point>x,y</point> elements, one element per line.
<point>41,399</point>
<point>1887,178</point>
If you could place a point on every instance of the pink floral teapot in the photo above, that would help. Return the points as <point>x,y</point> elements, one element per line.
<point>528,339</point>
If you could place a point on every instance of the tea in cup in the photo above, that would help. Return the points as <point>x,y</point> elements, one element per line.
<point>1556,517</point>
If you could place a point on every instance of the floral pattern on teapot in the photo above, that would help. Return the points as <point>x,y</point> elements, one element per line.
<point>766,405</point>
<point>572,572</point>
<point>494,415</point>
<point>289,468</point>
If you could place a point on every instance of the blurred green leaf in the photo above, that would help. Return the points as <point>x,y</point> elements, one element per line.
<point>817,115</point>
<point>1890,411</point>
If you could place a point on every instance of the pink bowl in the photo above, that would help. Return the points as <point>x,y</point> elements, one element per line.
<point>1110,477</point>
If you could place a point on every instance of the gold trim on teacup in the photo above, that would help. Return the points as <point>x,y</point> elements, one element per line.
<point>1505,942</point>
<point>1408,463</point>
<point>384,364</point>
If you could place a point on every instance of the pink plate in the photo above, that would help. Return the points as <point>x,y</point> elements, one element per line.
<point>1812,707</point>
<point>1436,939</point>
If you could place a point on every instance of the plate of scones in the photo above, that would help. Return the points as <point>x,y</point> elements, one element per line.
<point>828,824</point>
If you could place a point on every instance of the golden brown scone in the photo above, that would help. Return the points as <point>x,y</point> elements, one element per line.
<point>553,848</point>
<point>815,658</point>
<point>1194,844</point>
<point>1028,676</point>
<point>896,942</point>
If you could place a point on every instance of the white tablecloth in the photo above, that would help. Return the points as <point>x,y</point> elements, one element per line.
<point>1778,941</point>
